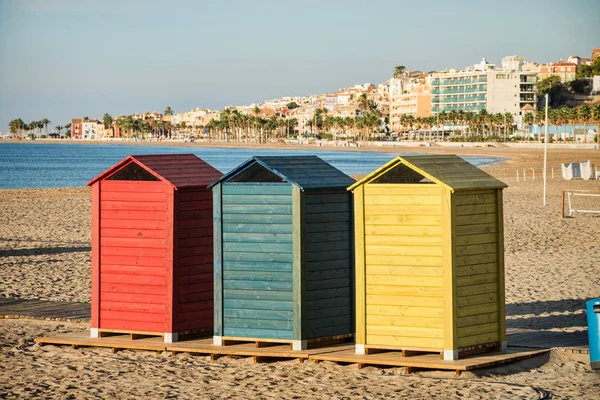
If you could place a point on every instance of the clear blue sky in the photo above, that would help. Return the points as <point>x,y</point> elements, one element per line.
<point>73,58</point>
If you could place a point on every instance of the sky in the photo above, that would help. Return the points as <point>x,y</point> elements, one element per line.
<point>63,59</point>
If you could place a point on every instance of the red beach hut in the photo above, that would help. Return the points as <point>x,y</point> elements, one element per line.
<point>152,247</point>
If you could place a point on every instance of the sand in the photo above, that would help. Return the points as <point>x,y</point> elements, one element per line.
<point>552,268</point>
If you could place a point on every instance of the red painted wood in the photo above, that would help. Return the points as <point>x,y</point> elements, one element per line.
<point>133,307</point>
<point>133,270</point>
<point>133,242</point>
<point>198,279</point>
<point>195,251</point>
<point>131,224</point>
<point>134,186</point>
<point>195,259</point>
<point>95,311</point>
<point>132,316</point>
<point>198,214</point>
<point>205,296</point>
<point>131,251</point>
<point>196,306</point>
<point>129,288</point>
<point>134,298</point>
<point>202,224</point>
<point>196,269</point>
<point>138,196</point>
<point>134,233</point>
<point>133,205</point>
<point>195,287</point>
<point>170,256</point>
<point>133,325</point>
<point>133,261</point>
<point>195,242</point>
<point>135,215</point>
<point>145,280</point>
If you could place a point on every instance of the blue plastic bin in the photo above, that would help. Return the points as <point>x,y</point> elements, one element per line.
<point>592,308</point>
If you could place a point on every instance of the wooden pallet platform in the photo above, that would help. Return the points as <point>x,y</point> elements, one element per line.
<point>45,310</point>
<point>341,353</point>
<point>428,361</point>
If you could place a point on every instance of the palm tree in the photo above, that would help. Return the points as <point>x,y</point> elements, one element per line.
<point>168,110</point>
<point>399,73</point>
<point>528,121</point>
<point>584,113</point>
<point>59,128</point>
<point>45,122</point>
<point>596,116</point>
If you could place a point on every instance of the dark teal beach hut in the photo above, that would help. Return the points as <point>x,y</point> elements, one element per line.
<point>283,252</point>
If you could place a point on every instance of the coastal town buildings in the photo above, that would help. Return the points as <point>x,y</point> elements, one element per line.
<point>485,87</point>
<point>76,128</point>
<point>565,70</point>
<point>410,96</point>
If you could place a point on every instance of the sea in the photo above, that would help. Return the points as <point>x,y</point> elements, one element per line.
<point>33,165</point>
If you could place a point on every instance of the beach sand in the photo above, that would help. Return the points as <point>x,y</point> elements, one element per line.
<point>552,268</point>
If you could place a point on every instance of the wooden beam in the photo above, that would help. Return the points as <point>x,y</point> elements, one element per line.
<point>169,273</point>
<point>218,259</point>
<point>449,270</point>
<point>95,311</point>
<point>500,279</point>
<point>360,272</point>
<point>298,250</point>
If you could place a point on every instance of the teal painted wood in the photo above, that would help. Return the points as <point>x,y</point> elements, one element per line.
<point>218,263</point>
<point>280,209</point>
<point>258,314</point>
<point>257,237</point>
<point>258,323</point>
<point>271,199</point>
<point>329,269</point>
<point>258,333</point>
<point>257,260</point>
<point>256,266</point>
<point>298,263</point>
<point>239,304</point>
<point>271,295</point>
<point>258,219</point>
<point>258,257</point>
<point>256,285</point>
<point>257,188</point>
<point>254,247</point>
<point>256,228</point>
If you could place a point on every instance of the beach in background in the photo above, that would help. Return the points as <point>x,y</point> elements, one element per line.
<point>552,268</point>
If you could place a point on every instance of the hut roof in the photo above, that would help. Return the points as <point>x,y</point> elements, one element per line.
<point>450,171</point>
<point>180,170</point>
<point>306,172</point>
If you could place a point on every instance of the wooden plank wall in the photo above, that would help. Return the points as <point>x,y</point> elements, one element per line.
<point>193,260</point>
<point>403,262</point>
<point>133,232</point>
<point>328,270</point>
<point>257,260</point>
<point>477,267</point>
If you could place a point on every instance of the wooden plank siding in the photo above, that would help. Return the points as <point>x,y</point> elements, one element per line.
<point>404,279</point>
<point>477,272</point>
<point>257,278</point>
<point>328,273</point>
<point>132,247</point>
<point>193,282</point>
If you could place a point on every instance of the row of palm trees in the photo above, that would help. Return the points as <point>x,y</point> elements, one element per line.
<point>584,114</point>
<point>19,128</point>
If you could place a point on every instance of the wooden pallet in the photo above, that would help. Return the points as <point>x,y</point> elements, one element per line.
<point>341,353</point>
<point>311,343</point>
<point>427,361</point>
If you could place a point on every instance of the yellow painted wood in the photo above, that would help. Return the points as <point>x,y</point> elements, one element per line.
<point>479,279</point>
<point>359,260</point>
<point>404,260</point>
<point>392,230</point>
<point>403,240</point>
<point>477,259</point>
<point>404,270</point>
<point>477,299</point>
<point>486,288</point>
<point>395,290</point>
<point>406,189</point>
<point>473,249</point>
<point>467,230</point>
<point>479,329</point>
<point>466,311</point>
<point>478,339</point>
<point>405,250</point>
<point>404,280</point>
<point>473,209</point>
<point>475,219</point>
<point>405,311</point>
<point>448,212</point>
<point>414,322</point>
<point>401,199</point>
<point>470,198</point>
<point>467,270</point>
<point>476,319</point>
<point>404,219</point>
<point>399,341</point>
<point>405,301</point>
<point>501,284</point>
<point>394,209</point>
<point>477,239</point>
<point>391,330</point>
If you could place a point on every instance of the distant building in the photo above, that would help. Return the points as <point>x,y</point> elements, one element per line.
<point>596,84</point>
<point>89,129</point>
<point>76,128</point>
<point>595,54</point>
<point>414,100</point>
<point>483,87</point>
<point>565,70</point>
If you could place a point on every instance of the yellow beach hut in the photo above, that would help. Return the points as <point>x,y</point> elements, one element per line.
<point>429,257</point>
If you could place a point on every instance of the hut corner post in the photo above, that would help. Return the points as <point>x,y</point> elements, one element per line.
<point>360,278</point>
<point>449,255</point>
<point>298,249</point>
<point>501,284</point>
<point>218,264</point>
<point>95,311</point>
<point>170,312</point>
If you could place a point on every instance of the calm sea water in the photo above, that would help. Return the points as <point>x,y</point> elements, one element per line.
<point>29,165</point>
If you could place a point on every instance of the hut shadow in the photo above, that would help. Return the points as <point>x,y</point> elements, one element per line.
<point>37,251</point>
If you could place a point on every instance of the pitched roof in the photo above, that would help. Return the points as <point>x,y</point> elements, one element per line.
<point>527,107</point>
<point>180,170</point>
<point>447,170</point>
<point>306,172</point>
